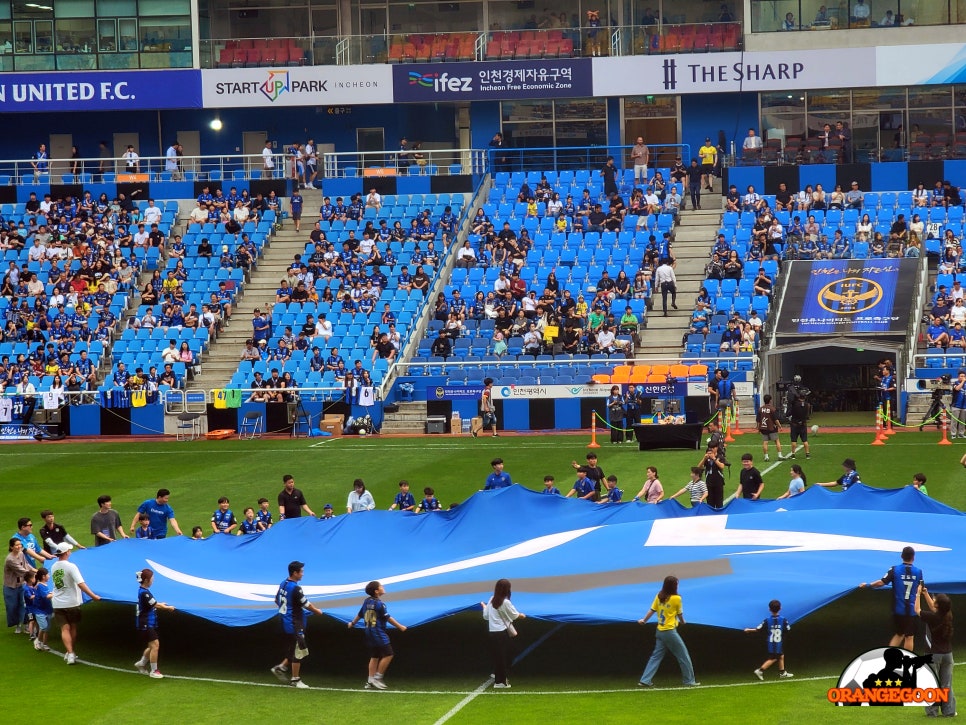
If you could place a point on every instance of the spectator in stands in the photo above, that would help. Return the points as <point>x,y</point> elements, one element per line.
<point>752,201</point>
<point>951,195</point>
<point>837,198</point>
<point>854,197</point>
<point>442,347</point>
<point>841,249</point>
<point>420,280</point>
<point>819,200</point>
<point>699,320</point>
<point>863,230</point>
<point>936,334</point>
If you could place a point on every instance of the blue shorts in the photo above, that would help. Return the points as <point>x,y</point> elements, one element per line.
<point>43,621</point>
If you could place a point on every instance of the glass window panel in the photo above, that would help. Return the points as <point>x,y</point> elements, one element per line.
<point>930,97</point>
<point>6,37</point>
<point>40,9</point>
<point>435,17</point>
<point>516,15</point>
<point>106,35</point>
<point>528,110</point>
<point>44,35</point>
<point>930,122</point>
<point>528,135</point>
<point>783,101</point>
<point>5,12</point>
<point>75,36</point>
<point>127,34</point>
<point>581,133</point>
<point>836,100</point>
<point>581,108</point>
<point>74,9</point>
<point>164,7</point>
<point>650,107</point>
<point>164,34</point>
<point>117,8</point>
<point>783,126</point>
<point>875,98</point>
<point>772,15</point>
<point>23,36</point>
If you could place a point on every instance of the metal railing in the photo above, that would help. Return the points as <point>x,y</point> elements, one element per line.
<point>414,161</point>
<point>563,158</point>
<point>148,168</point>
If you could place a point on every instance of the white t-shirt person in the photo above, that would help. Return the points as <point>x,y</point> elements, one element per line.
<point>268,158</point>
<point>69,585</point>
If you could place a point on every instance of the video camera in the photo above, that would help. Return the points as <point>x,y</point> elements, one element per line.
<point>917,662</point>
<point>940,385</point>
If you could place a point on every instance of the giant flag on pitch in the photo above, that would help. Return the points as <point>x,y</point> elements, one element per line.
<point>568,560</point>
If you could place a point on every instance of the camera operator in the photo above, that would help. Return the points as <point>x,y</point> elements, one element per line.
<point>959,404</point>
<point>713,464</point>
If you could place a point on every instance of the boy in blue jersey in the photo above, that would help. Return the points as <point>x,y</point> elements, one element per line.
<point>143,530</point>
<point>43,608</point>
<point>223,519</point>
<point>292,603</point>
<point>583,486</point>
<point>249,525</point>
<point>146,623</point>
<point>263,518</point>
<point>30,603</point>
<point>404,500</point>
<point>906,580</point>
<point>549,487</point>
<point>499,478</point>
<point>327,512</point>
<point>430,502</point>
<point>614,494</point>
<point>376,616</point>
<point>774,626</point>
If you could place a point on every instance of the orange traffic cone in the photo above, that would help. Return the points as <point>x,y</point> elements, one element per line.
<point>593,431</point>
<point>879,439</point>
<point>736,428</point>
<point>945,440</point>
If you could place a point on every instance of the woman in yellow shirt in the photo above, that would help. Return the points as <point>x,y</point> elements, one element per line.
<point>670,614</point>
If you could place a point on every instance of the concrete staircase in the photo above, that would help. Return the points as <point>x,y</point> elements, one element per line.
<point>661,341</point>
<point>410,418</point>
<point>222,359</point>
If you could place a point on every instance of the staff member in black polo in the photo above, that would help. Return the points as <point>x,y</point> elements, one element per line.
<point>291,501</point>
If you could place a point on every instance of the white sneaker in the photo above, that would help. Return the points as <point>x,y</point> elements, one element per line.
<point>298,685</point>
<point>785,675</point>
<point>767,458</point>
<point>377,683</point>
<point>156,675</point>
<point>71,658</point>
<point>18,629</point>
<point>141,667</point>
<point>38,646</point>
<point>501,686</point>
<point>44,647</point>
<point>759,674</point>
<point>280,672</point>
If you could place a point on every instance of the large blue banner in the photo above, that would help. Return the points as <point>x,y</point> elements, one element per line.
<point>848,296</point>
<point>492,80</point>
<point>806,551</point>
<point>128,90</point>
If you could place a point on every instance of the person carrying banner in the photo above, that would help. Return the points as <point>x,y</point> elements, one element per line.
<point>376,616</point>
<point>292,603</point>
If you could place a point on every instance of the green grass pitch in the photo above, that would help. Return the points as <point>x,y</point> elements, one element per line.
<point>574,674</point>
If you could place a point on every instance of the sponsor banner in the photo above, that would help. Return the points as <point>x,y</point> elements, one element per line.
<point>934,64</point>
<point>490,81</point>
<point>18,431</point>
<point>301,86</point>
<point>735,72</point>
<point>100,90</point>
<point>742,390</point>
<point>843,296</point>
<point>521,392</point>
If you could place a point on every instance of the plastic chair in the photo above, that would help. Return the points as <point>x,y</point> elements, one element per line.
<point>251,426</point>
<point>189,426</point>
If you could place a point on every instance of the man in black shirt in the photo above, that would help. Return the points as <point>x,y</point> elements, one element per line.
<point>783,200</point>
<point>750,483</point>
<point>609,175</point>
<point>596,219</point>
<point>506,234</point>
<point>291,501</point>
<point>594,472</point>
<point>694,184</point>
<point>732,199</point>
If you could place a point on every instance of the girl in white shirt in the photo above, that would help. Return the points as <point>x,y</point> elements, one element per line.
<point>500,614</point>
<point>863,230</point>
<point>359,498</point>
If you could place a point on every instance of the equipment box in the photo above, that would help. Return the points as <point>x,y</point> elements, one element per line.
<point>436,424</point>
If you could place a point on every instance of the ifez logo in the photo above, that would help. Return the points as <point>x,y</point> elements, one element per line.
<point>850,295</point>
<point>441,82</point>
<point>275,85</point>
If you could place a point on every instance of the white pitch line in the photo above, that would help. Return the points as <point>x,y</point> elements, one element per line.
<point>474,693</point>
<point>453,711</point>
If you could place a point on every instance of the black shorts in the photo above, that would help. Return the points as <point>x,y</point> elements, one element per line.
<point>71,615</point>
<point>377,652</point>
<point>147,636</point>
<point>296,215</point>
<point>707,168</point>
<point>905,624</point>
<point>291,643</point>
<point>773,655</point>
<point>799,432</point>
